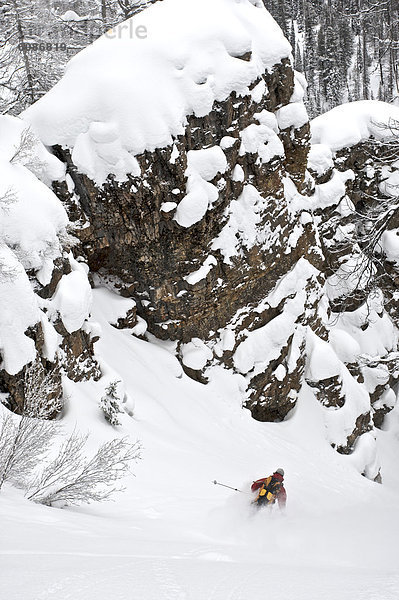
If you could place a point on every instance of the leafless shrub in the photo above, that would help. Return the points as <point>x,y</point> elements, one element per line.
<point>26,153</point>
<point>42,392</point>
<point>8,198</point>
<point>72,479</point>
<point>23,445</point>
<point>28,444</point>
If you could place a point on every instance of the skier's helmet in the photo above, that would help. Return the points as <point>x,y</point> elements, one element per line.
<point>281,472</point>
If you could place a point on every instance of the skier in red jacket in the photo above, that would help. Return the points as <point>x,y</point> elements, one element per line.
<point>270,489</point>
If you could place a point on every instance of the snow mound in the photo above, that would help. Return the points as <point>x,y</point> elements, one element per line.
<point>195,354</point>
<point>128,93</point>
<point>71,15</point>
<point>320,159</point>
<point>73,300</point>
<point>322,362</point>
<point>354,122</point>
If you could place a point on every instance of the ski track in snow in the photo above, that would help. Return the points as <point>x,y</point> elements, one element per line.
<point>187,579</point>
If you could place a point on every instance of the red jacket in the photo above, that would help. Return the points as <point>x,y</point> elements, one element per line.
<point>281,495</point>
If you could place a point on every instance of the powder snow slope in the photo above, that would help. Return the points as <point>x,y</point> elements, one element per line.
<point>125,94</point>
<point>174,535</point>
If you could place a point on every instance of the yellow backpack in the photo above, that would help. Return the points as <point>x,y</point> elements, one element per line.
<point>269,491</point>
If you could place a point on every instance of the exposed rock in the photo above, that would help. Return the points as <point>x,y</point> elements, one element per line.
<point>361,281</point>
<point>363,425</point>
<point>131,237</point>
<point>329,391</point>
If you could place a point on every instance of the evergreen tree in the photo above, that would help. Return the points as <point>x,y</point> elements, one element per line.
<point>347,49</point>
<point>110,404</point>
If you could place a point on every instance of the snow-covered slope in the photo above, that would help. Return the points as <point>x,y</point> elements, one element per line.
<point>175,535</point>
<point>222,238</point>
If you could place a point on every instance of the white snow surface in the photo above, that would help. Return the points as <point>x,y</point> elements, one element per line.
<point>33,218</point>
<point>262,139</point>
<point>331,192</point>
<point>390,244</point>
<point>320,158</point>
<point>370,326</point>
<point>195,354</point>
<point>31,223</point>
<point>167,207</point>
<point>202,272</point>
<point>348,124</point>
<point>33,155</point>
<point>292,115</point>
<point>322,361</point>
<point>19,311</point>
<point>137,93</point>
<point>264,344</point>
<point>71,15</point>
<point>344,345</point>
<point>173,534</point>
<point>207,162</point>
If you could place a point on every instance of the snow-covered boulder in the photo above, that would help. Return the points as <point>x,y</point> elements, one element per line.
<point>104,114</point>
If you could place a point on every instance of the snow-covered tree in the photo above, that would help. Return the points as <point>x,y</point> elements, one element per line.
<point>110,403</point>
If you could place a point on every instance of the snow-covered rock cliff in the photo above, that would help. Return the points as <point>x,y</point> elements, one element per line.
<point>190,188</point>
<point>354,161</point>
<point>45,295</point>
<point>180,165</point>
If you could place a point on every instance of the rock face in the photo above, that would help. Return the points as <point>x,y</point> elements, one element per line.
<point>192,216</point>
<point>193,282</point>
<point>355,207</point>
<point>134,237</point>
<point>229,237</point>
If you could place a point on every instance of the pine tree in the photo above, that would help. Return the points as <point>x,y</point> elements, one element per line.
<point>110,404</point>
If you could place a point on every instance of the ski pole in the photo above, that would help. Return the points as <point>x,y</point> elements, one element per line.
<point>229,486</point>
